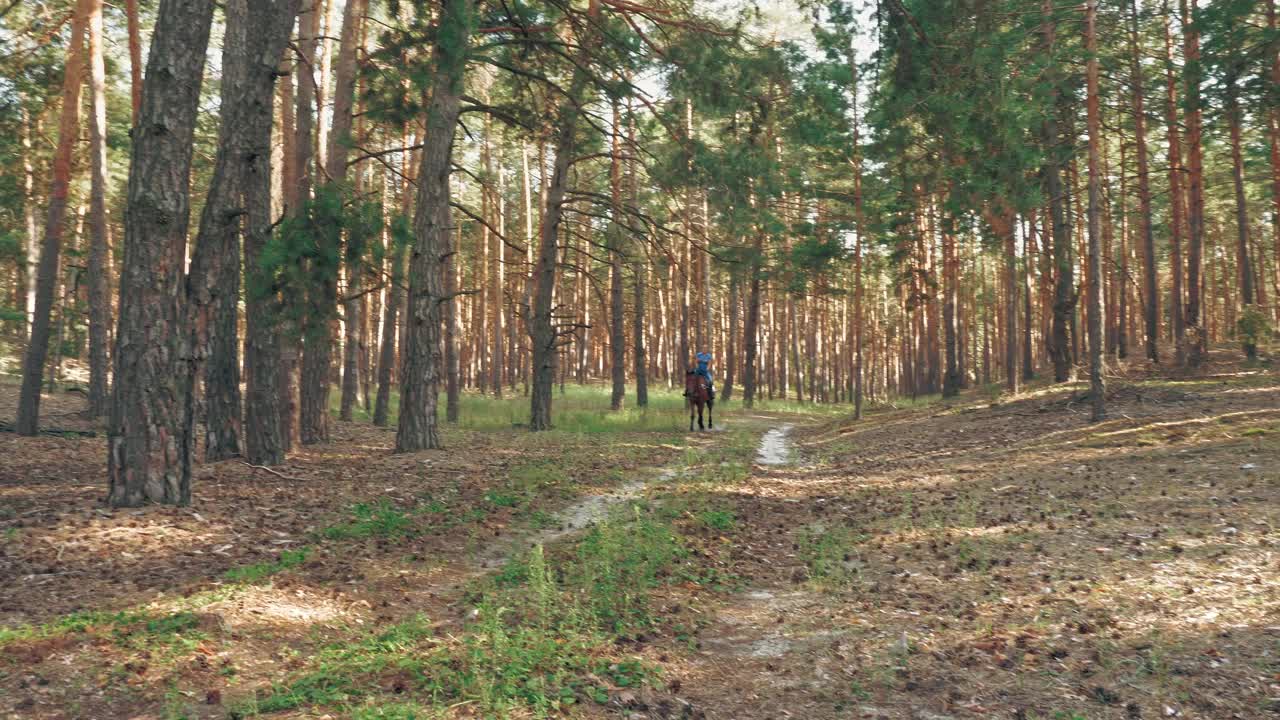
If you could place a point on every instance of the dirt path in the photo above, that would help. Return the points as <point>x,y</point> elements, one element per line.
<point>1005,560</point>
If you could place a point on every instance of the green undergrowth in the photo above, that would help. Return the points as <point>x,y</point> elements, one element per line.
<point>545,631</point>
<point>830,555</point>
<point>542,637</point>
<point>134,629</point>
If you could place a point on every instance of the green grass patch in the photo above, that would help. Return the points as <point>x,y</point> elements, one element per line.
<point>258,572</point>
<point>829,555</point>
<point>381,519</point>
<point>717,520</point>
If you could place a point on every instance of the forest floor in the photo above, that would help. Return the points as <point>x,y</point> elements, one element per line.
<point>986,557</point>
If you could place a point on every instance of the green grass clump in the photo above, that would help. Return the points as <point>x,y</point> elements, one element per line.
<point>828,555</point>
<point>718,520</point>
<point>380,519</point>
<point>258,572</point>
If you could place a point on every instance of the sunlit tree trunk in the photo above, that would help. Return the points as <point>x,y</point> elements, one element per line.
<point>1192,74</point>
<point>1244,268</point>
<point>214,281</point>
<point>55,227</point>
<point>1097,389</point>
<point>1177,197</point>
<point>265,443</point>
<point>100,230</point>
<point>149,444</point>
<point>135,59</point>
<point>1150,276</point>
<point>617,318</point>
<point>1064,299</point>
<point>340,141</point>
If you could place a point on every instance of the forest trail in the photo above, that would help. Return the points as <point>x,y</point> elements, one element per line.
<point>1007,559</point>
<point>987,557</point>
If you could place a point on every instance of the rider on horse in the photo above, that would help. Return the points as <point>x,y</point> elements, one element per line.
<point>704,360</point>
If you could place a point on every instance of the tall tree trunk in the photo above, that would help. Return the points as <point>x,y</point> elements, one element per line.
<point>1150,277</point>
<point>100,242</point>
<point>731,346</point>
<point>1064,299</point>
<point>751,326</point>
<point>1192,74</point>
<point>542,330</point>
<point>387,354</point>
<point>420,385</point>
<point>317,333</point>
<point>617,318</point>
<point>135,59</point>
<point>1244,270</point>
<point>639,278</point>
<point>150,441</point>
<point>302,165</point>
<point>1097,389</point>
<point>1273,137</point>
<point>340,141</point>
<point>453,384</point>
<point>214,280</point>
<point>269,25</point>
<point>1177,198</point>
<point>54,228</point>
<point>31,241</point>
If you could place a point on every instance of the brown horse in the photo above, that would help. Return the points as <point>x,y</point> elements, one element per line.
<point>695,388</point>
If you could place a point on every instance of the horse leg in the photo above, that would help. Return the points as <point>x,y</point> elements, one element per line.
<point>691,404</point>
<point>710,421</point>
<point>700,416</point>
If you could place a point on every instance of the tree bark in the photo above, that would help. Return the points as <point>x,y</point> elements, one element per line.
<point>269,25</point>
<point>420,384</point>
<point>1177,201</point>
<point>214,280</point>
<point>135,59</point>
<point>100,230</point>
<point>542,330</point>
<point>1244,270</point>
<point>54,228</point>
<point>387,354</point>
<point>1195,184</point>
<point>617,317</point>
<point>1097,388</point>
<point>149,444</point>
<point>1150,277</point>
<point>339,145</point>
<point>1064,299</point>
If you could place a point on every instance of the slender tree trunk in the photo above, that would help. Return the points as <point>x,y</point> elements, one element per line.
<point>1244,270</point>
<point>731,351</point>
<point>135,59</point>
<point>269,25</point>
<point>100,242</point>
<point>387,354</point>
<point>340,141</point>
<point>542,331</point>
<point>150,441</point>
<point>420,385</point>
<point>617,318</point>
<point>1150,276</point>
<point>1177,198</point>
<point>214,281</point>
<point>31,247</point>
<point>453,389</point>
<point>54,228</point>
<point>1064,299</point>
<point>303,144</point>
<point>1273,136</point>
<point>751,329</point>
<point>1195,183</point>
<point>1097,388</point>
